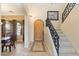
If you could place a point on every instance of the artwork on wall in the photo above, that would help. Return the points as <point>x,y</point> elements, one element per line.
<point>52,15</point>
<point>67,10</point>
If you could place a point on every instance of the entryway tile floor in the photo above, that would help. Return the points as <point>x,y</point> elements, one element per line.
<point>21,51</point>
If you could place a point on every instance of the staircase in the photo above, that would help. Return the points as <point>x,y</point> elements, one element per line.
<point>66,48</point>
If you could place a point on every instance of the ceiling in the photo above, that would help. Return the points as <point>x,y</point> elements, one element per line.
<point>21,9</point>
<point>12,9</point>
<point>48,6</point>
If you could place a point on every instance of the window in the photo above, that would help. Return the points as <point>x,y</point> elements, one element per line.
<point>8,28</point>
<point>18,28</point>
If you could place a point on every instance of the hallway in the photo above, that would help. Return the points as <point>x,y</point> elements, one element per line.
<point>56,26</point>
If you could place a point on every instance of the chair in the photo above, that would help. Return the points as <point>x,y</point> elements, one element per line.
<point>13,41</point>
<point>6,43</point>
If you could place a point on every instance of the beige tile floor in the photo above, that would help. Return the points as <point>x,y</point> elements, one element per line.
<point>38,46</point>
<point>21,51</point>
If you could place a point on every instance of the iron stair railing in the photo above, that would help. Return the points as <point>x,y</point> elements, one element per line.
<point>67,10</point>
<point>54,35</point>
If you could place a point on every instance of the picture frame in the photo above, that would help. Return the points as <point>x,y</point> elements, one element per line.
<point>53,15</point>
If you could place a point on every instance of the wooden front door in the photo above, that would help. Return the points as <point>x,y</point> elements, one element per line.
<point>38,44</point>
<point>38,30</point>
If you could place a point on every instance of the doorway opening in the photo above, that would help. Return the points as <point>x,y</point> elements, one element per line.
<point>12,32</point>
<point>20,31</point>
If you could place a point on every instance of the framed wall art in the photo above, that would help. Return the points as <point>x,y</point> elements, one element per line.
<point>52,15</point>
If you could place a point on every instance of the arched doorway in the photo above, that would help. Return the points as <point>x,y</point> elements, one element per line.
<point>38,35</point>
<point>38,30</point>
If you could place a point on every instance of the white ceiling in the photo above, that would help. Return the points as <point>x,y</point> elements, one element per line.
<point>19,9</point>
<point>12,9</point>
<point>48,6</point>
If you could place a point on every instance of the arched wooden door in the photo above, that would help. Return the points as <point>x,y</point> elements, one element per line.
<point>38,30</point>
<point>38,44</point>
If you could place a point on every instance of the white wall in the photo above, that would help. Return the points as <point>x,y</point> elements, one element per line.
<point>71,27</point>
<point>26,39</point>
<point>49,42</point>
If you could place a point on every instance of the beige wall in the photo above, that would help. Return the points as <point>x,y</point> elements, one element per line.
<point>71,27</point>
